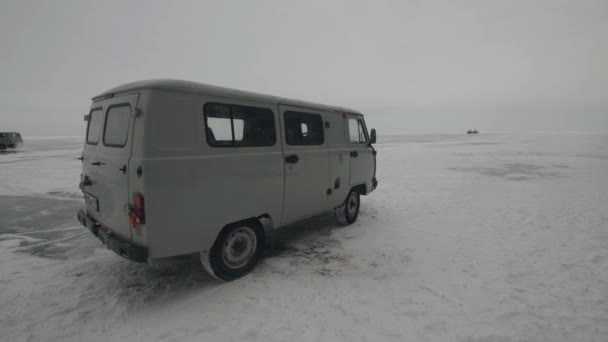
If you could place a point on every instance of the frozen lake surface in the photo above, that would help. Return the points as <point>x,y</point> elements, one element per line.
<point>495,237</point>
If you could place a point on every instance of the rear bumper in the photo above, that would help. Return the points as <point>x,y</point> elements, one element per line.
<point>119,246</point>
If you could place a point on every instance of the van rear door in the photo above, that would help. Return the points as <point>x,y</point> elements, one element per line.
<point>106,164</point>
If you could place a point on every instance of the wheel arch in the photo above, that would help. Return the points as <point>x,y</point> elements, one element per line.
<point>361,189</point>
<point>260,221</point>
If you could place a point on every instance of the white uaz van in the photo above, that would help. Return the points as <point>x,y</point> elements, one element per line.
<point>174,167</point>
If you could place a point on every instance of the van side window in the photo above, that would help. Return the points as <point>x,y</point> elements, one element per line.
<point>116,131</point>
<point>356,131</point>
<point>218,125</point>
<point>238,126</point>
<point>304,128</point>
<point>94,127</point>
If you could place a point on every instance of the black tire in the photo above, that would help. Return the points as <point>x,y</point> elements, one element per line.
<point>348,211</point>
<point>235,251</point>
<point>2,147</point>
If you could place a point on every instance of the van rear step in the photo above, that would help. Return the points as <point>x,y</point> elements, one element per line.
<point>123,248</point>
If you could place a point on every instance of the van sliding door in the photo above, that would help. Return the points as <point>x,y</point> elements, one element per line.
<point>306,163</point>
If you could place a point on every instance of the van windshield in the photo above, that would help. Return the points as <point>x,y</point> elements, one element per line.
<point>94,128</point>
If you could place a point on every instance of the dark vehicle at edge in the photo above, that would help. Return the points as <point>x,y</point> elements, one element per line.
<point>10,140</point>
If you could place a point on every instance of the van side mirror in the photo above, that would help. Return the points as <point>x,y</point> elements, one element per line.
<point>372,136</point>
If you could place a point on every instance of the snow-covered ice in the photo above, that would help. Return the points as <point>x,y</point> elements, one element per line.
<point>496,237</point>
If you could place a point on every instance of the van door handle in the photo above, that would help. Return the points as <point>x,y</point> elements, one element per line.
<point>97,163</point>
<point>123,169</point>
<point>292,159</point>
<point>354,154</point>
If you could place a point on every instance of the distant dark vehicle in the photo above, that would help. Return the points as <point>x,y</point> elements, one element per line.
<point>474,131</point>
<point>10,140</point>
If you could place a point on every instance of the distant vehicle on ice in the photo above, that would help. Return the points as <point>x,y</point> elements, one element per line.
<point>10,140</point>
<point>472,131</point>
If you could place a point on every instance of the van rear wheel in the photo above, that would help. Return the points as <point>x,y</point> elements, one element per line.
<point>348,211</point>
<point>235,252</point>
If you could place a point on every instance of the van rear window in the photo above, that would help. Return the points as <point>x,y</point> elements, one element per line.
<point>238,126</point>
<point>94,127</point>
<point>116,131</point>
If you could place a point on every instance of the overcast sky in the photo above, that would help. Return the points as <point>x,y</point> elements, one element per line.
<point>411,66</point>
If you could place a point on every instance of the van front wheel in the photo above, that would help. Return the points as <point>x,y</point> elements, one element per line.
<point>348,211</point>
<point>235,252</point>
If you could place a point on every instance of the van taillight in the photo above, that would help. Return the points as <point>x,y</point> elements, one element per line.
<point>137,214</point>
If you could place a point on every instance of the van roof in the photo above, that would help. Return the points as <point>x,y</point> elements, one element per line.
<point>202,88</point>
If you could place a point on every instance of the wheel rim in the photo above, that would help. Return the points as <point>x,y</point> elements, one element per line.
<point>351,205</point>
<point>239,247</point>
